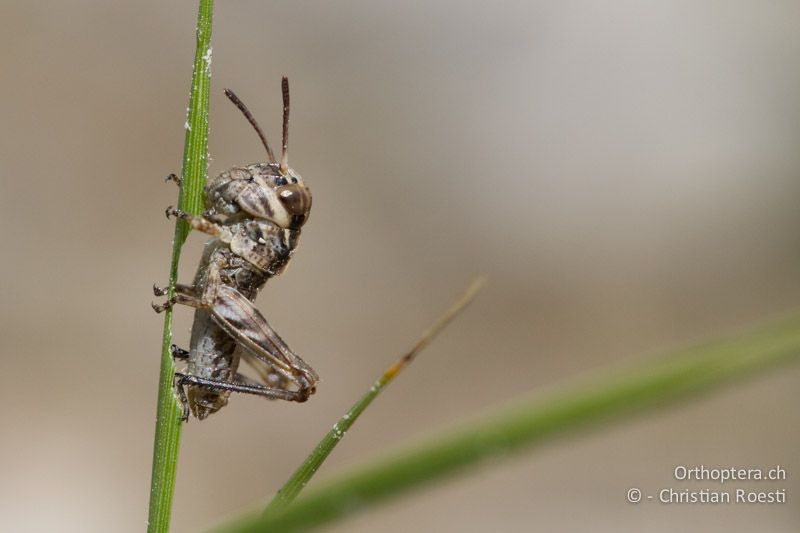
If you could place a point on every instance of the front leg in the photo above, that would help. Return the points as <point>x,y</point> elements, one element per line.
<point>201,223</point>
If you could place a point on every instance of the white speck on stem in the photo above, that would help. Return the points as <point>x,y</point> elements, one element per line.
<point>337,433</point>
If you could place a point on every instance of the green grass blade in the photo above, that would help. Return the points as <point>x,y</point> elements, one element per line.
<point>195,166</point>
<point>306,471</point>
<point>664,381</point>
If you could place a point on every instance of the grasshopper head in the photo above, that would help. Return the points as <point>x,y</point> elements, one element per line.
<point>262,191</point>
<point>271,190</point>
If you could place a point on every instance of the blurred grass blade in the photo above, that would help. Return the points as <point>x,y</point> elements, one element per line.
<point>663,381</point>
<point>306,471</point>
<point>195,166</point>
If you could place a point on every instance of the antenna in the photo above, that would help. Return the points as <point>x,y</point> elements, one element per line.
<point>249,116</point>
<point>284,152</point>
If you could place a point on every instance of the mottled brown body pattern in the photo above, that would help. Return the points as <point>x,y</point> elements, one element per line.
<point>255,214</point>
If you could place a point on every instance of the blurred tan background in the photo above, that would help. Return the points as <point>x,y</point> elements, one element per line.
<point>626,173</point>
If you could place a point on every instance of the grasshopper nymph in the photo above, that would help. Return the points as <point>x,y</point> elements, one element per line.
<point>254,213</point>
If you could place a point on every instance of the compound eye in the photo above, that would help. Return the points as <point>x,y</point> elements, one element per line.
<point>296,199</point>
